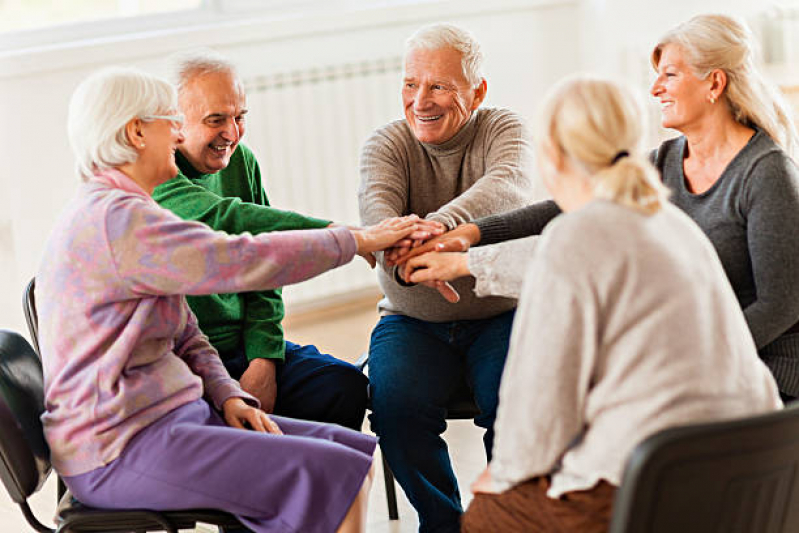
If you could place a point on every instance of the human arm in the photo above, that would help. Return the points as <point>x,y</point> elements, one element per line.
<point>772,213</point>
<point>193,347</point>
<point>237,414</point>
<point>158,253</point>
<point>229,214</point>
<point>548,373</point>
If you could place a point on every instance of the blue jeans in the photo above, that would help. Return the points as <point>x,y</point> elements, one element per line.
<point>414,367</point>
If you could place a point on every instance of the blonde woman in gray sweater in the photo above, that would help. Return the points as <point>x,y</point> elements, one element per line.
<point>626,325</point>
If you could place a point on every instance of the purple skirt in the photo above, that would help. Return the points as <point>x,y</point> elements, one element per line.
<point>304,480</point>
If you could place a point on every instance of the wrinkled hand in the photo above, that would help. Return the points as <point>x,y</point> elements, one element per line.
<point>383,235</point>
<point>260,381</point>
<point>237,413</point>
<point>483,483</point>
<point>459,239</point>
<point>427,229</point>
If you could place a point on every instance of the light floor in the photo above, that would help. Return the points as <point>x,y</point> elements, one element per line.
<point>344,332</point>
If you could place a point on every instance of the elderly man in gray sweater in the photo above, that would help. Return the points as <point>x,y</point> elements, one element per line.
<point>449,161</point>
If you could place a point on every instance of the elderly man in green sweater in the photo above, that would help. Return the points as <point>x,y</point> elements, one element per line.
<point>220,185</point>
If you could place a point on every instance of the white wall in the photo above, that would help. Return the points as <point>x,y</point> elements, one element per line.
<point>529,44</point>
<point>37,179</point>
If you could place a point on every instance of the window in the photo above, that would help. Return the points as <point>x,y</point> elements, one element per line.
<point>18,15</point>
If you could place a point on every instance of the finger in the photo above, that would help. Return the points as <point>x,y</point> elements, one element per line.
<point>452,245</point>
<point>448,292</point>
<point>370,258</point>
<point>255,420</point>
<point>271,426</point>
<point>234,422</point>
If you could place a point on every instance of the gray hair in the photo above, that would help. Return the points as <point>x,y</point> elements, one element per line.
<point>721,42</point>
<point>100,109</point>
<point>436,36</point>
<point>186,66</point>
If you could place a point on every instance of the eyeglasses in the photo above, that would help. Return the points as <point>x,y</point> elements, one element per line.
<point>177,119</point>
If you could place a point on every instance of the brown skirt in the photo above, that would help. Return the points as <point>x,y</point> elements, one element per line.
<point>527,508</point>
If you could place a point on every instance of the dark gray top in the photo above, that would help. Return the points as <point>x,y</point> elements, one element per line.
<point>751,215</point>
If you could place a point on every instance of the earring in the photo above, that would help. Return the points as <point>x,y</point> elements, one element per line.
<point>141,145</point>
<point>712,100</point>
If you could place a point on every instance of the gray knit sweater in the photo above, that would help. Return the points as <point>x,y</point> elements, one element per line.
<point>751,215</point>
<point>483,170</point>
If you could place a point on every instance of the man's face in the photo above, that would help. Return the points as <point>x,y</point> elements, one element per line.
<point>214,105</point>
<point>436,95</point>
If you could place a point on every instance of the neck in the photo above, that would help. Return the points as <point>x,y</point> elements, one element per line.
<point>572,190</point>
<point>716,136</point>
<point>133,172</point>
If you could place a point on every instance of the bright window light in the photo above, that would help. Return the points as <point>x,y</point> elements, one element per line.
<point>33,14</point>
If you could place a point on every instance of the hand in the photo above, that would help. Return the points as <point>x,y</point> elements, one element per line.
<point>383,235</point>
<point>459,239</point>
<point>437,266</point>
<point>483,483</point>
<point>427,229</point>
<point>237,413</point>
<point>260,381</point>
<point>446,290</point>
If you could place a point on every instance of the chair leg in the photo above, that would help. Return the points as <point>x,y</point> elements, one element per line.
<point>391,490</point>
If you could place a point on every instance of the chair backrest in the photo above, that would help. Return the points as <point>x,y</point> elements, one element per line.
<point>29,307</point>
<point>736,476</point>
<point>24,454</point>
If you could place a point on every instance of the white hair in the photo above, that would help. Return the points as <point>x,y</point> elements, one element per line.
<point>188,65</point>
<point>437,36</point>
<point>599,126</point>
<point>721,42</point>
<point>100,109</point>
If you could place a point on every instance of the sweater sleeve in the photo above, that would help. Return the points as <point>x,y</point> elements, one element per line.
<point>547,376</point>
<point>157,253</point>
<point>232,215</point>
<point>772,197</point>
<point>499,269</point>
<point>506,183</point>
<point>193,347</point>
<point>516,224</point>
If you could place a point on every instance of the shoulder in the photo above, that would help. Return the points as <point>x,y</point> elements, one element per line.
<point>667,150</point>
<point>766,167</point>
<point>390,141</point>
<point>498,119</point>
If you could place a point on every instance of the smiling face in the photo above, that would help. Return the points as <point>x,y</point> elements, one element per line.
<point>684,98</point>
<point>214,105</point>
<point>436,95</point>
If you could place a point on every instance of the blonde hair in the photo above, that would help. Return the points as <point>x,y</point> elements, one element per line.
<point>100,109</point>
<point>437,36</point>
<point>598,126</point>
<point>721,42</point>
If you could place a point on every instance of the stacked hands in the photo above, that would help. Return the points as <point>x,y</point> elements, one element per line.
<point>435,259</point>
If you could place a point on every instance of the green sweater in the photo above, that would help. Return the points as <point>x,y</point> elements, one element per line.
<point>233,200</point>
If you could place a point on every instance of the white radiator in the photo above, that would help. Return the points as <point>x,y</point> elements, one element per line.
<point>307,128</point>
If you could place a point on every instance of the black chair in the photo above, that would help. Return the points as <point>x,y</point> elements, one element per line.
<point>25,457</point>
<point>29,308</point>
<point>739,476</point>
<point>461,406</point>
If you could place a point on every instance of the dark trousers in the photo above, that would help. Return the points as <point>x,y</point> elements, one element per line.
<point>414,366</point>
<point>311,386</point>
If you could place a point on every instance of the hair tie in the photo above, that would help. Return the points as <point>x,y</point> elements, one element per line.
<point>621,154</point>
